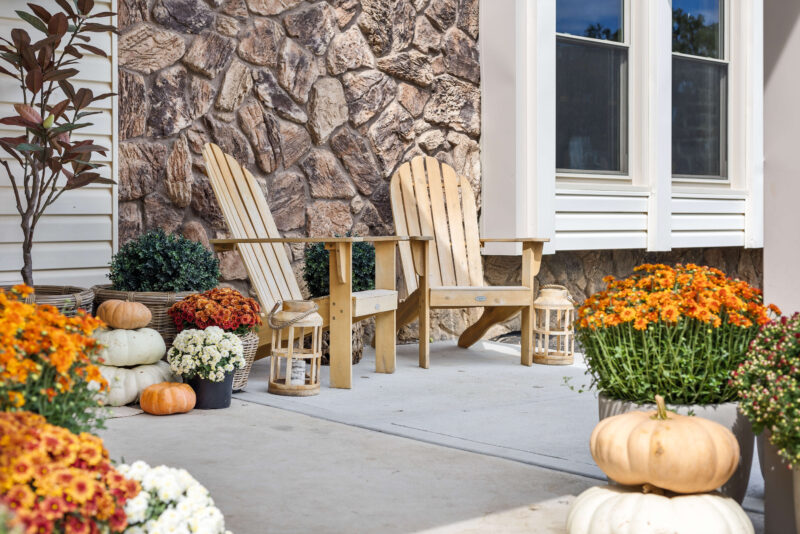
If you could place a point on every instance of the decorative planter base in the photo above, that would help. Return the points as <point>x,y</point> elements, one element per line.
<point>728,415</point>
<point>67,299</point>
<point>250,346</point>
<point>212,395</point>
<point>781,512</point>
<point>796,476</point>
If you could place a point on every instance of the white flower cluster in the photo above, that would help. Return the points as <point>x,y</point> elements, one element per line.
<point>209,353</point>
<point>171,501</point>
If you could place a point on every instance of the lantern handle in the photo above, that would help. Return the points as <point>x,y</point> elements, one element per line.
<point>559,286</point>
<point>280,325</point>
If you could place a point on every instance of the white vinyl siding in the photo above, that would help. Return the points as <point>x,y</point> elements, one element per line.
<point>697,222</point>
<point>587,220</point>
<point>75,238</point>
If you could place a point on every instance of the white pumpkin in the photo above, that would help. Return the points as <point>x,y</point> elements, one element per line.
<point>621,510</point>
<point>125,385</point>
<point>125,348</point>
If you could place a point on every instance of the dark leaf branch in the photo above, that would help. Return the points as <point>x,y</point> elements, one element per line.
<point>46,152</point>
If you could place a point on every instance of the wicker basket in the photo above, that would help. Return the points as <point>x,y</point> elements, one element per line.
<point>157,302</point>
<point>68,299</point>
<point>250,343</point>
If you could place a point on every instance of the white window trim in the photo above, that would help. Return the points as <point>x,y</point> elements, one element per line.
<point>518,137</point>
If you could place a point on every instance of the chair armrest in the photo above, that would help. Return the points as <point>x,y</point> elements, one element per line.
<point>229,244</point>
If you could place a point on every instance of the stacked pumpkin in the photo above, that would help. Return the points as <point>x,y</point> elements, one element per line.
<point>669,465</point>
<point>131,353</point>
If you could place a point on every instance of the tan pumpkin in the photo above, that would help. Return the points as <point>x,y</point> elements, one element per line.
<point>122,314</point>
<point>675,452</point>
<point>167,398</point>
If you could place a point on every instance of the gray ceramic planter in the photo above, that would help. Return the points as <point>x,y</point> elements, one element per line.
<point>779,505</point>
<point>728,415</point>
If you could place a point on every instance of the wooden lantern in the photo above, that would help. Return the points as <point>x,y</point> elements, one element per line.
<point>553,329</point>
<point>294,368</point>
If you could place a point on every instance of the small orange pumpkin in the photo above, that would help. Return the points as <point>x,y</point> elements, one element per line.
<point>122,314</point>
<point>167,398</point>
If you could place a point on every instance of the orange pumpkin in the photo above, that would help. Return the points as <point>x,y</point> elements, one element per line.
<point>167,398</point>
<point>670,451</point>
<point>122,314</point>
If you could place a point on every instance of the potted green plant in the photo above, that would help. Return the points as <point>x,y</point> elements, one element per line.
<point>316,273</point>
<point>206,360</point>
<point>768,385</point>
<point>47,160</point>
<point>158,270</point>
<point>679,332</point>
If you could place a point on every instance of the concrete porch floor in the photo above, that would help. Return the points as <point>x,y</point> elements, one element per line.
<point>477,443</point>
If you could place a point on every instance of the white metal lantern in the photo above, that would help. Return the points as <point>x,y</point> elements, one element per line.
<point>295,364</point>
<point>553,329</point>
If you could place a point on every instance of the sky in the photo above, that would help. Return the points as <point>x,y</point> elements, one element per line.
<point>574,16</point>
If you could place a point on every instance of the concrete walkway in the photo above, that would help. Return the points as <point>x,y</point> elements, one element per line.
<point>275,471</point>
<point>478,400</point>
<point>475,444</point>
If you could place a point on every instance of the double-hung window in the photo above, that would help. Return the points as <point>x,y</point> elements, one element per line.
<point>591,87</point>
<point>699,89</point>
<point>623,123</point>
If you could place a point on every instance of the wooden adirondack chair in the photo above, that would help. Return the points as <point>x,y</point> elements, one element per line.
<point>254,234</point>
<point>430,199</point>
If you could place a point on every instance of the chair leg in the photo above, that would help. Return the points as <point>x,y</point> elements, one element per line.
<point>526,349</point>
<point>490,317</point>
<point>407,312</point>
<point>385,342</point>
<point>424,334</point>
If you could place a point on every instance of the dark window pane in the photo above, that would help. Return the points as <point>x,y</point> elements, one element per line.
<point>696,27</point>
<point>600,19</point>
<point>591,109</point>
<point>699,92</point>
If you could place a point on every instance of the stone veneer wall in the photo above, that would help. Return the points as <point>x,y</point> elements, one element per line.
<point>320,100</point>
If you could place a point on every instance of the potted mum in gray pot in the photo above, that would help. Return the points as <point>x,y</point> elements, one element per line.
<point>768,384</point>
<point>678,332</point>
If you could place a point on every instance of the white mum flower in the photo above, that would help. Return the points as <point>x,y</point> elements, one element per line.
<point>214,334</point>
<point>136,508</point>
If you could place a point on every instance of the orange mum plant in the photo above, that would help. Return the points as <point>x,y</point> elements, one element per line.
<point>222,306</point>
<point>676,331</point>
<point>57,481</point>
<point>47,362</point>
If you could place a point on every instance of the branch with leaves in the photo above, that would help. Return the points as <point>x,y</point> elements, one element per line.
<point>46,151</point>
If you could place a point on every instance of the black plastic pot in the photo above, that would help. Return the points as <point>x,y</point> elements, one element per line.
<point>212,395</point>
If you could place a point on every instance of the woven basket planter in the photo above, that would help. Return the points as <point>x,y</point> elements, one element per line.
<point>157,302</point>
<point>68,299</point>
<point>250,344</point>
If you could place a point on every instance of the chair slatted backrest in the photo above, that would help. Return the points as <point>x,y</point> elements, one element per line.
<point>248,216</point>
<point>430,198</point>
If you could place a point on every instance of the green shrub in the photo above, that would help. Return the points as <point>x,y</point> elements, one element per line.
<point>768,383</point>
<point>316,270</point>
<point>157,261</point>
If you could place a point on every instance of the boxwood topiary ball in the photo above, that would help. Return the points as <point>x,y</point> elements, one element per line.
<point>157,261</point>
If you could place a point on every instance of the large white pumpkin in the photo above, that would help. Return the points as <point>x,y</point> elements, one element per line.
<point>620,510</point>
<point>125,348</point>
<point>125,385</point>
